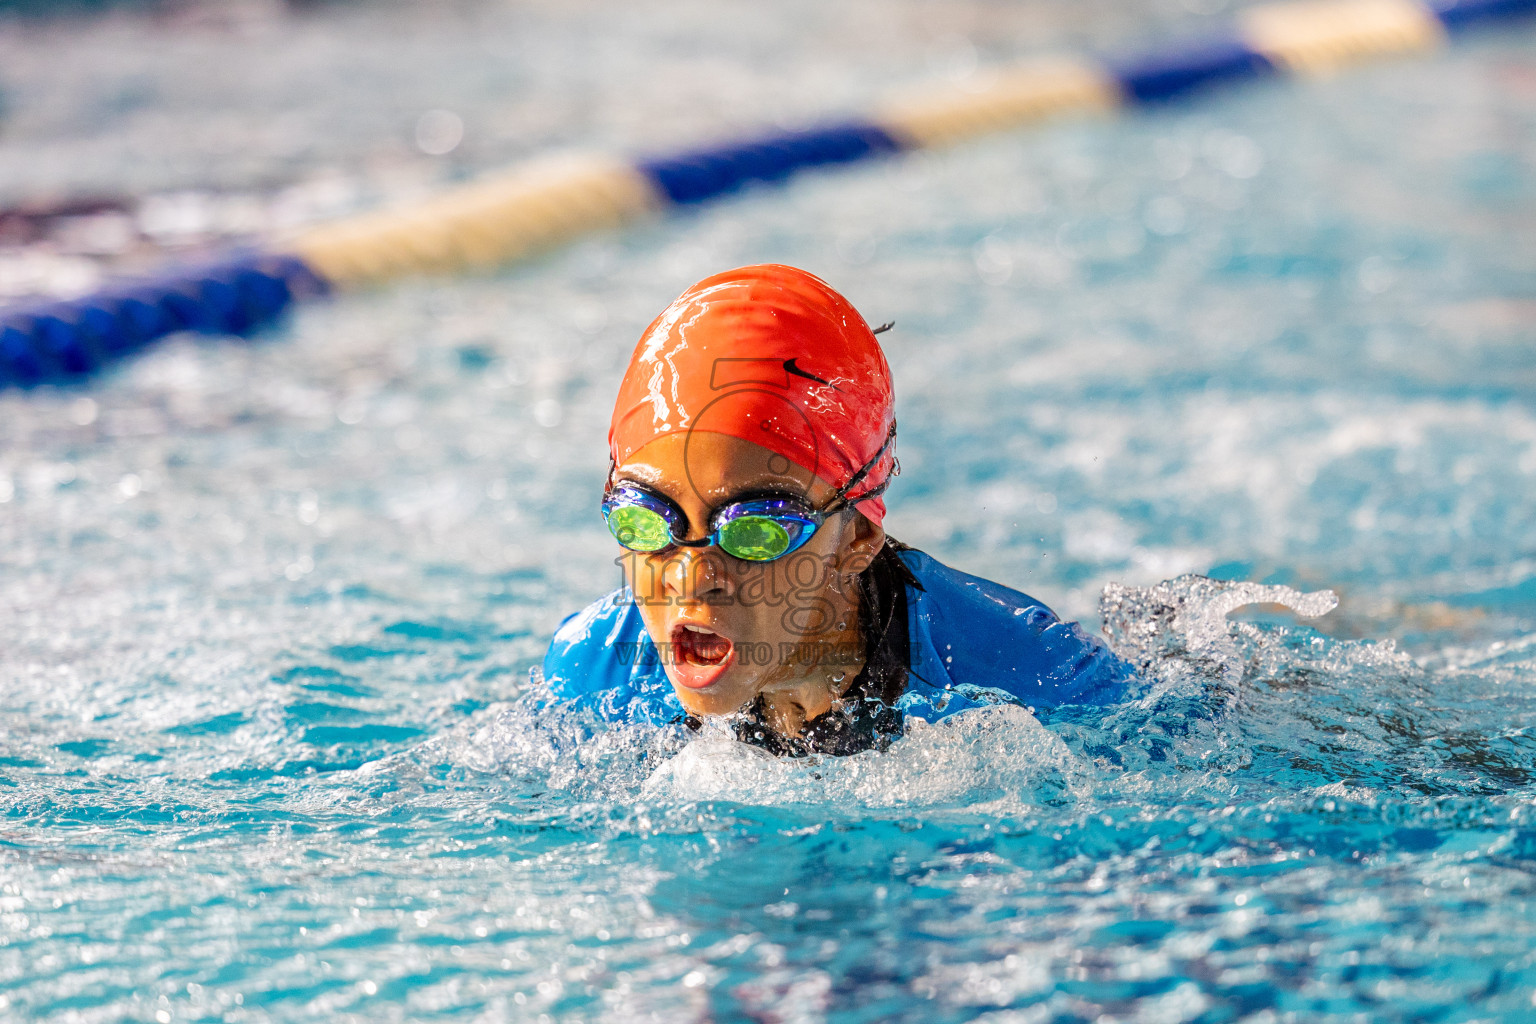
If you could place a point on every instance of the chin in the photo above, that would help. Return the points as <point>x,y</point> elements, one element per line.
<point>720,699</point>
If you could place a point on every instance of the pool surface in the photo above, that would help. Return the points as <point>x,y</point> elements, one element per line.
<point>268,609</point>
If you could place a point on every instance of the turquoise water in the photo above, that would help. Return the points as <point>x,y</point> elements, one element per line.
<point>267,610</point>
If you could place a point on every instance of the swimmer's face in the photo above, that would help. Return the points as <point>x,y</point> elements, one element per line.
<point>730,629</point>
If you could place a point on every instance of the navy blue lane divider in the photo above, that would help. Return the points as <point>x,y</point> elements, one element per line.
<point>1163,76</point>
<point>235,295</point>
<point>1458,14</point>
<point>241,292</point>
<point>707,173</point>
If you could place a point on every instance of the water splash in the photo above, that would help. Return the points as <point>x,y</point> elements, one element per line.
<point>1183,622</point>
<point>991,760</point>
<point>1003,759</point>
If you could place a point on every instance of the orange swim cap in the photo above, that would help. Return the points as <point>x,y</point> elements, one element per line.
<point>772,355</point>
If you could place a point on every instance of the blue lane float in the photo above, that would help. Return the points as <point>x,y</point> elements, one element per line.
<point>706,173</point>
<point>1151,78</point>
<point>235,295</point>
<point>512,216</point>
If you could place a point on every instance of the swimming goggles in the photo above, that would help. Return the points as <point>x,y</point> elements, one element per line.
<point>753,529</point>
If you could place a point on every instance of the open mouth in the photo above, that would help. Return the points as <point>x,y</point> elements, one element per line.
<point>699,654</point>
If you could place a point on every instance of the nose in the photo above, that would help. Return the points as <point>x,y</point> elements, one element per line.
<point>697,575</point>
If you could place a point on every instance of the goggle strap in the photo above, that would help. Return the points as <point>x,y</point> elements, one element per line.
<point>842,492</point>
<point>873,492</point>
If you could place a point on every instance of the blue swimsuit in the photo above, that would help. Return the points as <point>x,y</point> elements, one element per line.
<point>972,643</point>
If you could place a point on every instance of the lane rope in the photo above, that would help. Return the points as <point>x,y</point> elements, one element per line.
<point>519,214</point>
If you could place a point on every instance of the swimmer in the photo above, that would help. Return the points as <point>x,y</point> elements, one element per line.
<point>751,443</point>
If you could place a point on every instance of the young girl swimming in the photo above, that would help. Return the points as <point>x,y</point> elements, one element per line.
<point>752,439</point>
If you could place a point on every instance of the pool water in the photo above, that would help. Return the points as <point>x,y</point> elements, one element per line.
<point>267,610</point>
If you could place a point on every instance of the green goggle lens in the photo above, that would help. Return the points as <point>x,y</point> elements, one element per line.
<point>754,538</point>
<point>639,529</point>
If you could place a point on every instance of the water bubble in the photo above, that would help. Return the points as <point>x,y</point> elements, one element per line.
<point>1237,155</point>
<point>589,317</point>
<point>351,410</point>
<point>994,264</point>
<point>1173,158</point>
<point>408,438</point>
<point>82,412</point>
<point>1165,216</point>
<point>954,56</point>
<point>547,412</point>
<point>1376,275</point>
<point>439,132</point>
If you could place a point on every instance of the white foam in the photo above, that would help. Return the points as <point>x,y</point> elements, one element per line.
<point>996,757</point>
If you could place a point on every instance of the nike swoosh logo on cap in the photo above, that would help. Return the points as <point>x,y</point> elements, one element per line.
<point>790,367</point>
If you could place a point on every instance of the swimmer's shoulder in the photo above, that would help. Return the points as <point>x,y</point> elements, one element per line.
<point>967,632</point>
<point>602,658</point>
